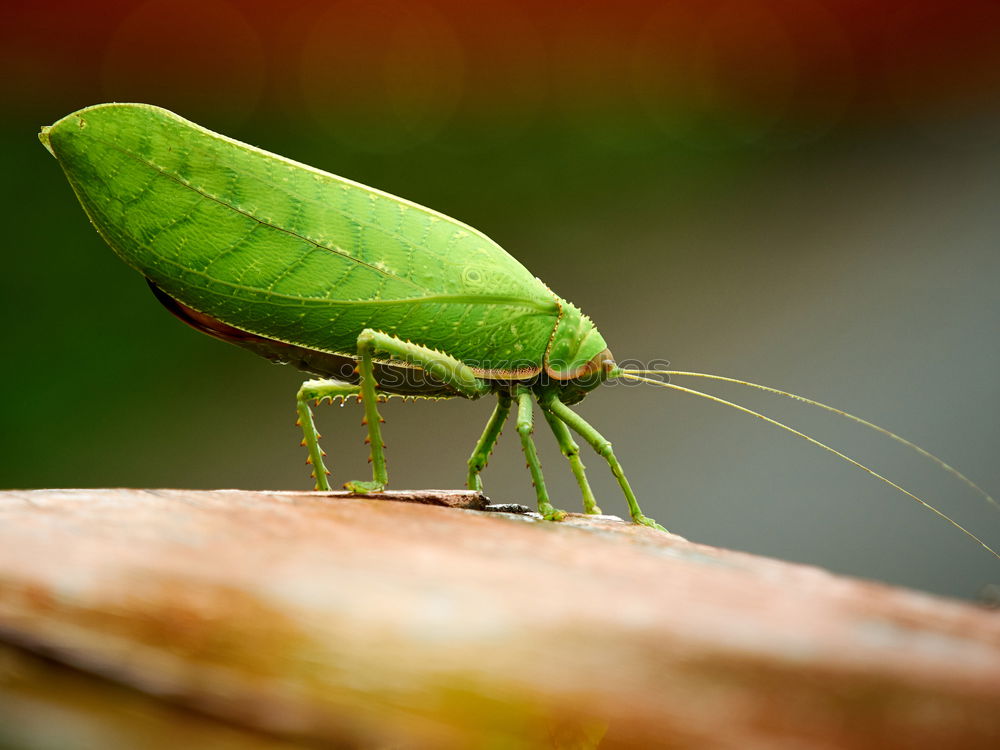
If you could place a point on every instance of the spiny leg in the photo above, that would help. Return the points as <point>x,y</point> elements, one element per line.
<point>571,450</point>
<point>600,444</point>
<point>524,429</point>
<point>380,477</point>
<point>481,453</point>
<point>317,390</point>
<point>442,367</point>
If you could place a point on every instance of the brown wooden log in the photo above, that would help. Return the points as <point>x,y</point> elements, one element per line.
<point>320,618</point>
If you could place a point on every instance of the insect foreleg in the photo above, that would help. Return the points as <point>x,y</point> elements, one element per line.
<point>316,390</point>
<point>600,444</point>
<point>481,453</point>
<point>524,429</point>
<point>571,450</point>
<point>450,371</point>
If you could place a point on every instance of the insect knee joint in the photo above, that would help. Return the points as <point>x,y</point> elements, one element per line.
<point>524,429</point>
<point>604,449</point>
<point>366,338</point>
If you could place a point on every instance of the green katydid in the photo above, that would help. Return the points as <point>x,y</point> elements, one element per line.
<point>375,294</point>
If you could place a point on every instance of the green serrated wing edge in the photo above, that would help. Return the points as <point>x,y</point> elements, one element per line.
<point>290,252</point>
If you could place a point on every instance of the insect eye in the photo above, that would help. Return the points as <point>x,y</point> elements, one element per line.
<point>472,276</point>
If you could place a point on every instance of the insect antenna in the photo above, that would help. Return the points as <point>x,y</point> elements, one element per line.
<point>632,375</point>
<point>832,409</point>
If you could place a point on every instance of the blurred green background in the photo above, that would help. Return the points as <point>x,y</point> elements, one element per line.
<point>802,194</point>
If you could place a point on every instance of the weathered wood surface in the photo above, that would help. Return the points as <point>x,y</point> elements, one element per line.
<point>304,618</point>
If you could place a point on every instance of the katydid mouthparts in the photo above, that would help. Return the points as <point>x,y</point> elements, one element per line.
<point>375,295</point>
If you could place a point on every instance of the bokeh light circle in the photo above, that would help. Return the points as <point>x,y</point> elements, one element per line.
<point>730,73</point>
<point>503,76</point>
<point>199,57</point>
<point>380,76</point>
<point>591,76</point>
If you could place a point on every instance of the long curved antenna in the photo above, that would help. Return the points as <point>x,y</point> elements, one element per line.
<point>794,396</point>
<point>824,446</point>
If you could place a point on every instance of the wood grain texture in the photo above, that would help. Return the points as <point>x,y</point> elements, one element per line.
<point>354,622</point>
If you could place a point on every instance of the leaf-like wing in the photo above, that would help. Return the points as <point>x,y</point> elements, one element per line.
<point>290,252</point>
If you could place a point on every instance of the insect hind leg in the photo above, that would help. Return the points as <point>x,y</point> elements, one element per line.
<point>451,371</point>
<point>318,390</point>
